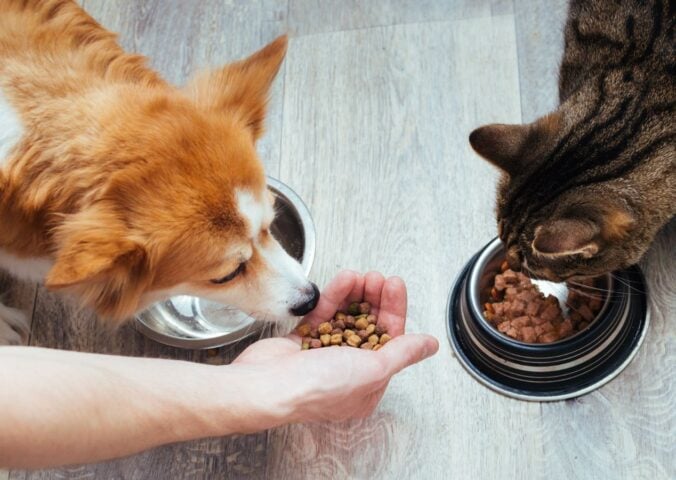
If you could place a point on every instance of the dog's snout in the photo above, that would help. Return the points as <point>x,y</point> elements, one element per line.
<point>308,305</point>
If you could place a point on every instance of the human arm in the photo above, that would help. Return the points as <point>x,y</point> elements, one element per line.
<point>59,407</point>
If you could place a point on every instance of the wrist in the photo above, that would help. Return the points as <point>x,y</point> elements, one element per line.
<point>185,401</point>
<point>243,398</point>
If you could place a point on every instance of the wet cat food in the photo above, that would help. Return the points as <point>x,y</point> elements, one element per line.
<point>517,309</point>
<point>358,328</point>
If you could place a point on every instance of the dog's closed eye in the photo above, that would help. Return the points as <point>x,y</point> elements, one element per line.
<point>231,276</point>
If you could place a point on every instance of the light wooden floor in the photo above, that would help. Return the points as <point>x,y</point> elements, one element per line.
<point>369,125</point>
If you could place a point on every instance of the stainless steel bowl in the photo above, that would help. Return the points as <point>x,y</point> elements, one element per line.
<point>194,323</point>
<point>567,368</point>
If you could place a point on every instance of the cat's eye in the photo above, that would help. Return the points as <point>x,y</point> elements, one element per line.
<point>231,276</point>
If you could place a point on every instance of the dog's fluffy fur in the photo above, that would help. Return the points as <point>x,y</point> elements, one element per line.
<point>122,189</point>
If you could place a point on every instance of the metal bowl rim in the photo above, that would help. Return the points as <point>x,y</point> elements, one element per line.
<point>507,392</point>
<point>476,269</point>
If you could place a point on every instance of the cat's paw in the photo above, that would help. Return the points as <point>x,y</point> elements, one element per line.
<point>14,326</point>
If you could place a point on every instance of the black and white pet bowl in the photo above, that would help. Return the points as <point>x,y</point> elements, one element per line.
<point>563,369</point>
<point>195,323</point>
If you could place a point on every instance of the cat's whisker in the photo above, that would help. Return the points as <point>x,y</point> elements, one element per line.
<point>587,287</point>
<point>627,284</point>
<point>609,295</point>
<point>601,293</point>
<point>583,289</point>
<point>571,307</point>
<point>598,295</point>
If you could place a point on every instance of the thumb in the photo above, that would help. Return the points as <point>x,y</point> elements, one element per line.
<point>406,350</point>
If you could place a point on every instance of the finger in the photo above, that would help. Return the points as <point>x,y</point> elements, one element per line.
<point>393,304</point>
<point>373,287</point>
<point>407,350</point>
<point>333,296</point>
<point>355,295</point>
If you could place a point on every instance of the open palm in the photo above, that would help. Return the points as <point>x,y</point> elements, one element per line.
<point>340,383</point>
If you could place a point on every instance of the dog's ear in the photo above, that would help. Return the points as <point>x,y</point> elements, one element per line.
<point>97,262</point>
<point>241,88</point>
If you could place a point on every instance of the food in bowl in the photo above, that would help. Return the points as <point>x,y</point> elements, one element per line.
<point>357,327</point>
<point>518,309</point>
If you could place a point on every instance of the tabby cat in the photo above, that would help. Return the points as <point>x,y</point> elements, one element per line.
<point>585,189</point>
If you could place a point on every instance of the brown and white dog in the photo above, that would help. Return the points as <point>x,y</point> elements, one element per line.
<point>121,189</point>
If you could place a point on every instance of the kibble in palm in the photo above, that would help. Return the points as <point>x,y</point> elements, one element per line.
<point>357,328</point>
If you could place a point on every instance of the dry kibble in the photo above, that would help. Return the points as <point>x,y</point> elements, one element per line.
<point>303,330</point>
<point>354,309</point>
<point>356,328</point>
<point>324,328</point>
<point>361,323</point>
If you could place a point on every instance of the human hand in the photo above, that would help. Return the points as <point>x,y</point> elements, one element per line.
<point>343,382</point>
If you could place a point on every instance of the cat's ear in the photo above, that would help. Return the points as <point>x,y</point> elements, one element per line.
<point>567,236</point>
<point>583,235</point>
<point>509,146</point>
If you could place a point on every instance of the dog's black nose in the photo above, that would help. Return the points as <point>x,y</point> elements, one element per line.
<point>309,305</point>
